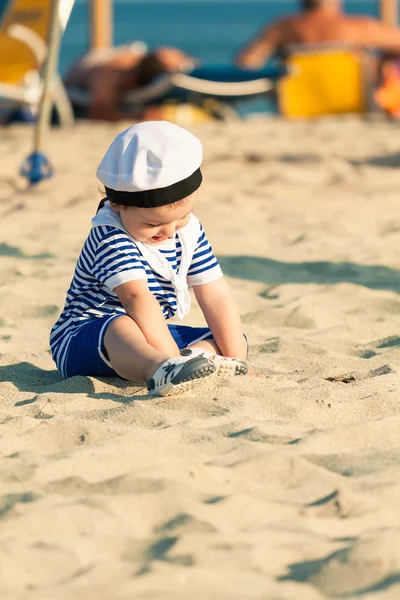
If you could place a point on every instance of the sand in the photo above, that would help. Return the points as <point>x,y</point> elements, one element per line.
<point>282,488</point>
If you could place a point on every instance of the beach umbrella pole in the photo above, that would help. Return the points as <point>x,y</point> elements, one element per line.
<point>388,10</point>
<point>37,166</point>
<point>101,23</point>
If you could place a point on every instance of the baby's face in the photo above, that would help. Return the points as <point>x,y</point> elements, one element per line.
<point>154,225</point>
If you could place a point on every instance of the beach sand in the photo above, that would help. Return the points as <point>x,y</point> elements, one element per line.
<point>286,487</point>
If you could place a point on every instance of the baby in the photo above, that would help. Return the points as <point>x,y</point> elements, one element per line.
<point>144,249</point>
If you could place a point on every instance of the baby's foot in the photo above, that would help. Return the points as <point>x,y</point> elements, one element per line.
<point>223,365</point>
<point>180,374</point>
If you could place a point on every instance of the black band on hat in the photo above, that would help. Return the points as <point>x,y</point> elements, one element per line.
<point>159,197</point>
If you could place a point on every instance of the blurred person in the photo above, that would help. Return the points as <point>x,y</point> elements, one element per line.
<point>319,22</point>
<point>107,75</point>
<point>323,21</point>
<point>387,96</point>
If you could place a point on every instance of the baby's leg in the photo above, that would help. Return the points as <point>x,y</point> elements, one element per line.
<point>208,345</point>
<point>133,358</point>
<point>129,353</point>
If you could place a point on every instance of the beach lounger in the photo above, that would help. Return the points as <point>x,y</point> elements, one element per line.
<point>23,51</point>
<point>224,84</point>
<point>324,80</point>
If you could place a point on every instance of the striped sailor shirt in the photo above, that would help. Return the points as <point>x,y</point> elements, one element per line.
<point>109,258</point>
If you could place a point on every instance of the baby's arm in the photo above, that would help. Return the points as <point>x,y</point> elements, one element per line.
<point>143,308</point>
<point>222,315</point>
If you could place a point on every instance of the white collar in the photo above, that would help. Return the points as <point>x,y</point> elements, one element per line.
<point>188,237</point>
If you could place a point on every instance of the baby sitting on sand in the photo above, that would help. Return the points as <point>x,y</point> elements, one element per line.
<point>144,249</point>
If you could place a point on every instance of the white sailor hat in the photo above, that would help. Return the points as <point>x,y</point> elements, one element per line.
<point>151,164</point>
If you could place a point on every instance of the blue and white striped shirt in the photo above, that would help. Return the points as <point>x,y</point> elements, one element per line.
<point>110,258</point>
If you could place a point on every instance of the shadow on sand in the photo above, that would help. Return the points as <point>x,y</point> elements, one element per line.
<point>317,572</point>
<point>29,378</point>
<point>383,161</point>
<point>15,252</point>
<point>274,272</point>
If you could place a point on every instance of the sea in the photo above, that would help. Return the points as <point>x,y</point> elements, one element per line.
<point>211,30</point>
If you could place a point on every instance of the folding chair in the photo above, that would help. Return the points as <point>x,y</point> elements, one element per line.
<point>329,79</point>
<point>23,51</point>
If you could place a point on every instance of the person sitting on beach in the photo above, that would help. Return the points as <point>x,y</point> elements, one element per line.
<point>144,249</point>
<point>108,74</point>
<point>321,21</point>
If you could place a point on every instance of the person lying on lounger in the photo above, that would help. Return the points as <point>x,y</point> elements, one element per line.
<point>108,74</point>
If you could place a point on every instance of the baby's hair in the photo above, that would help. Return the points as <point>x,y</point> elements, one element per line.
<point>103,200</point>
<point>179,202</point>
<point>101,205</point>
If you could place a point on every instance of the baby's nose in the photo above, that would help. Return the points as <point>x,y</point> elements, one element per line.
<point>169,229</point>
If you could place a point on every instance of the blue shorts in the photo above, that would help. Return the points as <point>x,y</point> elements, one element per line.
<point>87,354</point>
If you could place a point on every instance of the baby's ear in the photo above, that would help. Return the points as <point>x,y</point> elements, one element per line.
<point>115,207</point>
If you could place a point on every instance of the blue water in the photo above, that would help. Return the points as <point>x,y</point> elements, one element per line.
<point>212,30</point>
